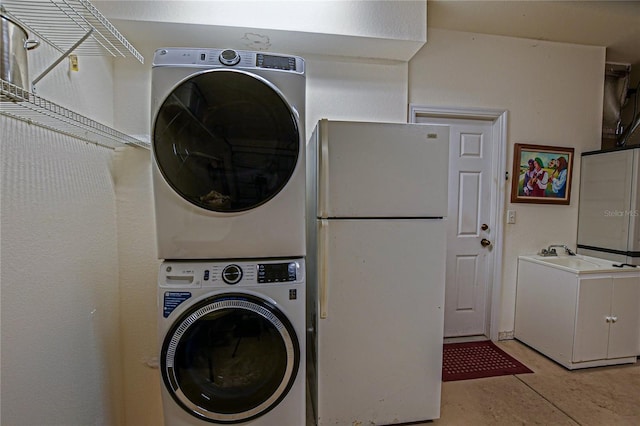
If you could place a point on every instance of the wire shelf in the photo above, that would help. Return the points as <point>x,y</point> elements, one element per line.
<point>61,23</point>
<point>23,105</point>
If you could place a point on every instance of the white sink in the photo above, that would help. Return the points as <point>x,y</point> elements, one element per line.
<point>572,262</point>
<point>579,264</point>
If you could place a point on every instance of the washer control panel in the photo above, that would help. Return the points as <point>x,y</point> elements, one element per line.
<point>231,274</point>
<point>277,272</point>
<point>178,274</point>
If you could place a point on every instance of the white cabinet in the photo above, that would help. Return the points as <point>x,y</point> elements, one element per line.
<point>579,320</point>
<point>607,322</point>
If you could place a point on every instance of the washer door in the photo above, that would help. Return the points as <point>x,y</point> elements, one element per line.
<point>226,140</point>
<point>230,358</point>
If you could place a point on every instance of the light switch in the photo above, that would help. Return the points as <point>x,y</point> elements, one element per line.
<point>511,216</point>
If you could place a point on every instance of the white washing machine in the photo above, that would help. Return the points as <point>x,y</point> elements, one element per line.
<point>232,338</point>
<point>228,147</point>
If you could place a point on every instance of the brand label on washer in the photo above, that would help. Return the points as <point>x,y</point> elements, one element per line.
<point>172,299</point>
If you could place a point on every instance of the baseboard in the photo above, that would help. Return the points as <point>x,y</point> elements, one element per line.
<point>505,335</point>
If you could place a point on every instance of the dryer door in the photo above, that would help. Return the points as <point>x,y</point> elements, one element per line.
<point>230,358</point>
<point>226,140</point>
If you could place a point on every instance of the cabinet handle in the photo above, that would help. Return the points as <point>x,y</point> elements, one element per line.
<point>614,319</point>
<point>607,319</point>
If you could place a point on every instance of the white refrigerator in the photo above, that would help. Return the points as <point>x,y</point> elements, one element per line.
<point>376,264</point>
<point>609,210</point>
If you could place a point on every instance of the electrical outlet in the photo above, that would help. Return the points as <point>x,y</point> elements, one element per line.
<point>511,216</point>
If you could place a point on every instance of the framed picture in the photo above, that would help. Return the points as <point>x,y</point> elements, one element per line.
<point>541,174</point>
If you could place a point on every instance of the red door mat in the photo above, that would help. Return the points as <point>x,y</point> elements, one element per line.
<point>474,360</point>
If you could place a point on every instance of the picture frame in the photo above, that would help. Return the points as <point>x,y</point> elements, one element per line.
<point>546,183</point>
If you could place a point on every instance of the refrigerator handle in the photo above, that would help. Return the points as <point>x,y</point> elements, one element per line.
<point>323,266</point>
<point>323,191</point>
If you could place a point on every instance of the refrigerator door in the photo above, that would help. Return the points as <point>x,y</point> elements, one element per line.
<point>380,327</point>
<point>634,213</point>
<point>381,169</point>
<point>608,203</point>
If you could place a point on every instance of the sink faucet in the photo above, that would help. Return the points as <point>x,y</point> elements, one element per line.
<point>551,250</point>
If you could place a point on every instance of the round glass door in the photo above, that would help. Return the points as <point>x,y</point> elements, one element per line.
<point>226,140</point>
<point>230,358</point>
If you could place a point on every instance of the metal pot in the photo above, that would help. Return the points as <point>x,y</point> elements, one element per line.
<point>13,52</point>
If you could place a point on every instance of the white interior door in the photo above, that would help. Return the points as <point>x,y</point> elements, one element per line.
<point>470,232</point>
<point>469,229</point>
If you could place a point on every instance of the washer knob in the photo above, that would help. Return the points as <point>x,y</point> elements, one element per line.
<point>229,57</point>
<point>232,274</point>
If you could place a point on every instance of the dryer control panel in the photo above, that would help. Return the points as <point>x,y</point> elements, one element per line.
<point>227,58</point>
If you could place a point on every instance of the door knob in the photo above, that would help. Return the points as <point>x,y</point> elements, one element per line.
<point>484,227</point>
<point>485,243</point>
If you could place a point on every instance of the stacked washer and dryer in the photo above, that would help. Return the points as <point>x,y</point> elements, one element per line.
<point>229,187</point>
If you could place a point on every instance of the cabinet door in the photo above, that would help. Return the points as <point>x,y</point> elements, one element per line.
<point>624,331</point>
<point>592,326</point>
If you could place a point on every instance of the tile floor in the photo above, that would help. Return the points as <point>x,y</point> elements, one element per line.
<point>553,395</point>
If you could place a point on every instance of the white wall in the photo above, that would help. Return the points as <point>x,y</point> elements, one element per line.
<point>360,18</point>
<point>87,91</point>
<point>553,93</point>
<point>355,89</point>
<point>59,281</point>
<point>138,282</point>
<point>59,258</point>
<point>360,28</point>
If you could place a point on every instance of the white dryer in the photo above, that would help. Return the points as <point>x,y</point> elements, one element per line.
<point>232,337</point>
<point>228,147</point>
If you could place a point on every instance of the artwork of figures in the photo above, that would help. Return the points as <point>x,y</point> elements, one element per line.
<point>541,174</point>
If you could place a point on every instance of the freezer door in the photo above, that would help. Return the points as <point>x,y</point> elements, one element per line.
<point>382,169</point>
<point>380,326</point>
